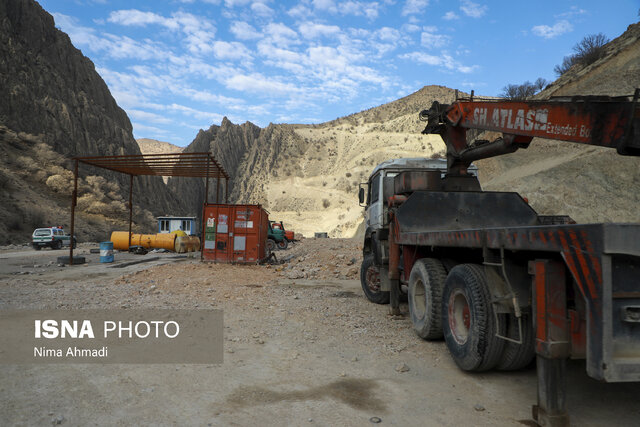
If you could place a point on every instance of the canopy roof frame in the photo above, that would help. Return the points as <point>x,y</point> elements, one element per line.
<point>195,165</point>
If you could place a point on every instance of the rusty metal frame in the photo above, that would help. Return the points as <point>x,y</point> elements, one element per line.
<point>194,165</point>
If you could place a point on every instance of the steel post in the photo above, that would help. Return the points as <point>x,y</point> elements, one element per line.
<point>130,206</point>
<point>206,200</point>
<point>74,201</point>
<point>551,410</point>
<point>552,342</point>
<point>394,270</point>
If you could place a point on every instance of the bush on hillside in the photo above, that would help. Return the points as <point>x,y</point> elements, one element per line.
<point>587,51</point>
<point>524,90</point>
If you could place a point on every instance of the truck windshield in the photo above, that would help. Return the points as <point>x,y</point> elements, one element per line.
<point>43,232</point>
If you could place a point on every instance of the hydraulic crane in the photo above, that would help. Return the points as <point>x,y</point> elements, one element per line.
<point>501,283</point>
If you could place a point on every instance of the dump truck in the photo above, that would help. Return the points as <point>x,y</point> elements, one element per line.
<point>483,270</point>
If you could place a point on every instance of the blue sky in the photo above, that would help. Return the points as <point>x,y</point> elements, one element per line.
<point>178,66</point>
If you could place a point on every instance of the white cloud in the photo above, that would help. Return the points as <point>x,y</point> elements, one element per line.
<point>326,5</point>
<point>234,3</point>
<point>414,7</point>
<point>261,9</point>
<point>358,8</point>
<point>147,116</point>
<point>474,10</point>
<point>280,34</point>
<point>449,16</point>
<point>573,11</point>
<point>311,30</point>
<point>230,50</point>
<point>299,11</point>
<point>118,47</point>
<point>429,39</point>
<point>244,31</point>
<point>198,31</point>
<point>257,83</point>
<point>410,28</point>
<point>444,60</point>
<point>548,32</point>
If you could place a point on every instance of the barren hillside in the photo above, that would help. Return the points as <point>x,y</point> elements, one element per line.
<point>153,146</point>
<point>308,175</point>
<point>591,184</point>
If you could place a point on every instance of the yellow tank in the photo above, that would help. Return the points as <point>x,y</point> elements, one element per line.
<point>120,240</point>
<point>187,244</point>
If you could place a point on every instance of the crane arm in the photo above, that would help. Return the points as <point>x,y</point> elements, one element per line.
<point>593,120</point>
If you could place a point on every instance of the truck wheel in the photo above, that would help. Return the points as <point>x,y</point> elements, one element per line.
<point>518,356</point>
<point>37,247</point>
<point>271,245</point>
<point>370,281</point>
<point>283,244</point>
<point>468,321</point>
<point>425,297</point>
<point>57,244</point>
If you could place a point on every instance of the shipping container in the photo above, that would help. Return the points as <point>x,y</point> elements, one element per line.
<point>235,233</point>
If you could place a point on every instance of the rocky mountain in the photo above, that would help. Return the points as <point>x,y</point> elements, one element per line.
<point>153,146</point>
<point>308,175</point>
<point>53,106</point>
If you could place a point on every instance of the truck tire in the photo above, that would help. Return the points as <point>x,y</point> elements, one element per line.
<point>370,281</point>
<point>271,245</point>
<point>425,297</point>
<point>518,356</point>
<point>282,245</point>
<point>37,247</point>
<point>468,321</point>
<point>57,245</point>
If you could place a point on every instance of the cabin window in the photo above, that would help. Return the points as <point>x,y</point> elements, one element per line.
<point>375,189</point>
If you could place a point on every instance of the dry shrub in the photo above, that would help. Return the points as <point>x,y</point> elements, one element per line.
<point>326,203</point>
<point>46,156</point>
<point>26,164</point>
<point>59,184</point>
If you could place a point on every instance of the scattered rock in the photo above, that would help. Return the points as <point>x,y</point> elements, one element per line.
<point>375,420</point>
<point>478,407</point>
<point>402,367</point>
<point>57,420</point>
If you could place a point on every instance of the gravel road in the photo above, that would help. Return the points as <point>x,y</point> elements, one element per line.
<point>302,347</point>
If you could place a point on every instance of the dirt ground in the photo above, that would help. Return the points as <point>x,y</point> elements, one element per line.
<point>302,347</point>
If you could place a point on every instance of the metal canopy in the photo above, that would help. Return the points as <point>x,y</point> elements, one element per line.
<point>195,165</point>
<point>174,164</point>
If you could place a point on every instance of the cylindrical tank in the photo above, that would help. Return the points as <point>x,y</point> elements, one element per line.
<point>106,252</point>
<point>120,240</point>
<point>187,244</point>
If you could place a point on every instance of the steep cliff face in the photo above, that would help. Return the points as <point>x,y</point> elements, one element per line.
<point>229,144</point>
<point>50,88</point>
<point>54,105</point>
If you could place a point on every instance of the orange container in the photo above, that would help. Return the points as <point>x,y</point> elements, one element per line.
<point>235,233</point>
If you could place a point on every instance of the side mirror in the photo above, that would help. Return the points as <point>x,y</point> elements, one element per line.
<point>361,195</point>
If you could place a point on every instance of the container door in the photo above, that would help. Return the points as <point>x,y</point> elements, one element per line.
<point>222,234</point>
<point>243,226</point>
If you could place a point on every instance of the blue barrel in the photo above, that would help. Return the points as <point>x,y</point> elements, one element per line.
<point>106,251</point>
